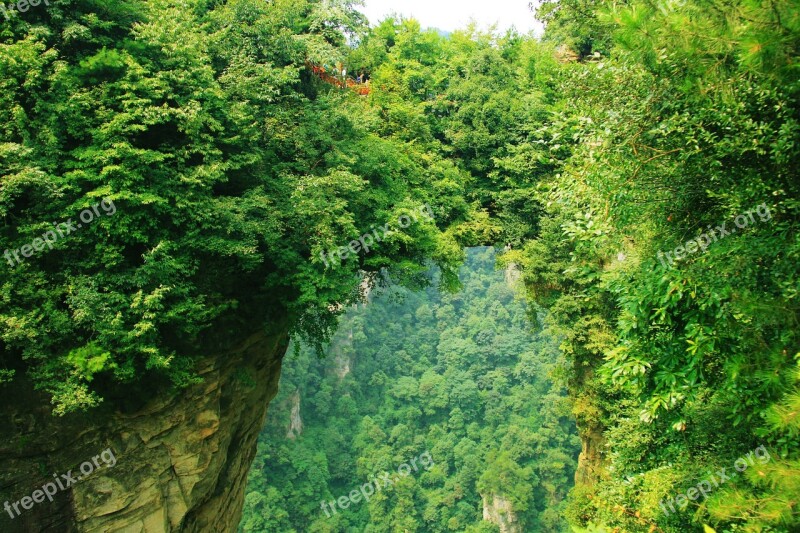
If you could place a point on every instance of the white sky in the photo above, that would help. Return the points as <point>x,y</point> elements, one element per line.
<point>451,15</point>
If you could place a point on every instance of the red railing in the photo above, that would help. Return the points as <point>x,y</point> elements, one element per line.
<point>330,78</point>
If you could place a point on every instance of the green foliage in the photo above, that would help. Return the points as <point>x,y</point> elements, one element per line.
<point>456,375</point>
<point>232,168</point>
<point>577,24</point>
<point>229,172</point>
<point>681,368</point>
<point>89,360</point>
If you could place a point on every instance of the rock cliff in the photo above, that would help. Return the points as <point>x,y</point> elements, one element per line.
<point>499,511</point>
<point>181,460</point>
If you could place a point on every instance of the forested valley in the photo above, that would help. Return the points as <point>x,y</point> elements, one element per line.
<point>559,273</point>
<point>459,376</point>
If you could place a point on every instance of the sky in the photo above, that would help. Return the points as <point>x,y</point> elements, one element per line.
<point>451,15</point>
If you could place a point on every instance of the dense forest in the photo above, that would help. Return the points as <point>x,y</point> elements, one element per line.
<point>459,376</point>
<point>177,176</point>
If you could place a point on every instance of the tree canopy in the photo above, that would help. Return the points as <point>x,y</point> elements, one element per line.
<point>459,376</point>
<point>638,166</point>
<point>230,170</point>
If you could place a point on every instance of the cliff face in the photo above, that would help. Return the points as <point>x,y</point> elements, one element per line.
<point>180,462</point>
<point>591,463</point>
<point>588,417</point>
<point>498,511</point>
<point>296,420</point>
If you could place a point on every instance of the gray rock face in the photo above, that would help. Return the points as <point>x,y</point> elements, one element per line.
<point>180,461</point>
<point>499,511</point>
